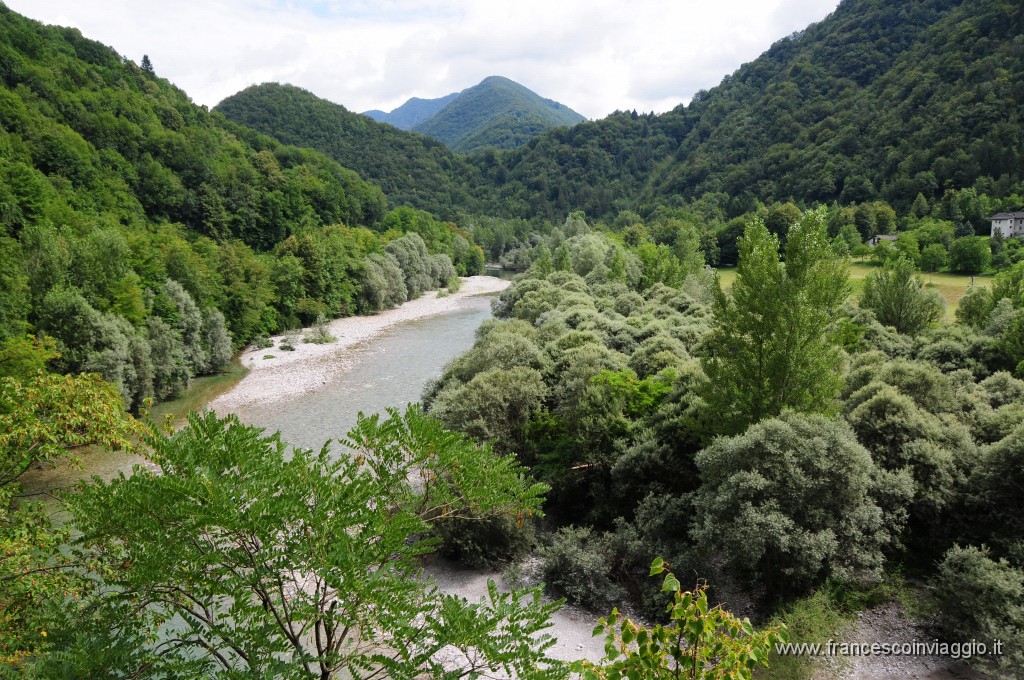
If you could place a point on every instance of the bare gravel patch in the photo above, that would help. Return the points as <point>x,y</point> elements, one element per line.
<point>890,624</point>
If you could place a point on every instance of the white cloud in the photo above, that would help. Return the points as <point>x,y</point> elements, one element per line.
<point>595,56</point>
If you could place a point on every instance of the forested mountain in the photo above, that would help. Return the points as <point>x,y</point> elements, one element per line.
<point>878,100</point>
<point>496,113</point>
<point>411,113</point>
<point>147,236</point>
<point>412,169</point>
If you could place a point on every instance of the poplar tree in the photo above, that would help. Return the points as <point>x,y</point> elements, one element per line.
<point>769,348</point>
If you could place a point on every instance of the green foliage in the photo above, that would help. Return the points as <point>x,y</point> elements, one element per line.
<point>170,364</point>
<point>975,307</point>
<point>790,502</point>
<point>576,566</point>
<point>494,405</point>
<point>811,620</point>
<point>768,350</point>
<point>701,642</point>
<point>42,416</point>
<point>970,255</point>
<point>382,283</point>
<point>216,340</point>
<point>993,494</point>
<point>411,169</point>
<point>897,296</point>
<point>980,599</point>
<point>497,113</point>
<point>23,358</point>
<point>319,333</point>
<point>410,252</point>
<point>884,252</point>
<point>46,414</point>
<point>255,542</point>
<point>934,257</point>
<point>124,202</point>
<point>485,541</point>
<point>874,101</point>
<point>15,294</point>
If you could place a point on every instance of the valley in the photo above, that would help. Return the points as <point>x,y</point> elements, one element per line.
<point>752,376</point>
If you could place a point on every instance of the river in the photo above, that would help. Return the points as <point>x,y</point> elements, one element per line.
<point>389,370</point>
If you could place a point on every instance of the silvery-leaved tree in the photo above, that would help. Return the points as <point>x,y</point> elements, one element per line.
<point>248,559</point>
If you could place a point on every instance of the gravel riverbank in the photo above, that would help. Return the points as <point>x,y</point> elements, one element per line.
<point>276,374</point>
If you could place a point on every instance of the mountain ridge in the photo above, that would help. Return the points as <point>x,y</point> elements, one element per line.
<point>878,100</point>
<point>497,112</point>
<point>411,168</point>
<point>412,112</point>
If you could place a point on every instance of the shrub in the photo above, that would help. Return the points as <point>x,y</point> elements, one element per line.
<point>970,255</point>
<point>262,341</point>
<point>994,491</point>
<point>382,284</point>
<point>789,503</point>
<point>576,566</point>
<point>494,406</point>
<point>485,541</point>
<point>898,298</point>
<point>981,599</point>
<point>319,334</point>
<point>975,307</point>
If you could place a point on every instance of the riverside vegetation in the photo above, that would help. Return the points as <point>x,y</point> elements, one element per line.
<point>797,442</point>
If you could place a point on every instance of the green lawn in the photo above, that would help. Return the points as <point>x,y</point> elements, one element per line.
<point>950,286</point>
<point>726,275</point>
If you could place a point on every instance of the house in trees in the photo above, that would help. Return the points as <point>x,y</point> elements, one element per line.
<point>875,240</point>
<point>1010,223</point>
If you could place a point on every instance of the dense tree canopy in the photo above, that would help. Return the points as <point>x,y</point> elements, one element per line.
<point>877,101</point>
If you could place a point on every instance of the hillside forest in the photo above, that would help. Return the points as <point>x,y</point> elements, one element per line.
<point>709,369</point>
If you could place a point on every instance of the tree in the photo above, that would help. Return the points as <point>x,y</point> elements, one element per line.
<point>245,558</point>
<point>896,294</point>
<point>884,252</point>
<point>970,255</point>
<point>789,503</point>
<point>849,235</point>
<point>171,372</point>
<point>994,497</point>
<point>41,417</point>
<point>975,307</point>
<point>701,641</point>
<point>494,405</point>
<point>411,254</point>
<point>920,207</point>
<point>980,599</point>
<point>768,349</point>
<point>15,294</point>
<point>216,339</point>
<point>25,357</point>
<point>907,246</point>
<point>934,257</point>
<point>146,64</point>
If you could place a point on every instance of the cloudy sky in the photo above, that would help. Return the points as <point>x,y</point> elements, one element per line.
<point>595,56</point>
